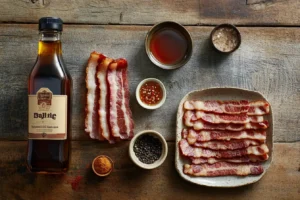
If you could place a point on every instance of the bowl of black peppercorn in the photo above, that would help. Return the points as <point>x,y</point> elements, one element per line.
<point>148,149</point>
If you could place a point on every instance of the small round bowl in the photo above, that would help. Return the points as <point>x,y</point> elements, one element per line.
<point>228,26</point>
<point>156,163</point>
<point>177,27</point>
<point>106,174</point>
<point>147,106</point>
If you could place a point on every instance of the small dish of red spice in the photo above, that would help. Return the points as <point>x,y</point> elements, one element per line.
<point>102,165</point>
<point>151,93</point>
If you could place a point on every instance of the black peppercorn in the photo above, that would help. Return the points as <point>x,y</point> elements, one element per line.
<point>147,148</point>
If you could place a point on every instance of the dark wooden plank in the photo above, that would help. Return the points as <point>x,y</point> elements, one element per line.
<point>129,182</point>
<point>242,12</point>
<point>267,61</point>
<point>250,12</point>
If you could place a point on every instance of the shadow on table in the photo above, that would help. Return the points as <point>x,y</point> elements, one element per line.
<point>209,57</point>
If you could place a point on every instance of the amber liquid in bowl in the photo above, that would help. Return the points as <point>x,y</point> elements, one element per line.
<point>168,46</point>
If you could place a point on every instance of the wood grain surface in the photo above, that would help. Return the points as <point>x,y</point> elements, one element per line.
<point>267,61</point>
<point>191,12</point>
<point>127,181</point>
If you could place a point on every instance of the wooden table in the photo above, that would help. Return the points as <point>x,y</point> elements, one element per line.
<point>268,61</point>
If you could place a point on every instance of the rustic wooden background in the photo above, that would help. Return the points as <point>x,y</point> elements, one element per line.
<point>267,61</point>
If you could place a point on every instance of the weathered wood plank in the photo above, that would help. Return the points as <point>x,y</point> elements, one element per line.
<point>242,12</point>
<point>250,12</point>
<point>267,61</point>
<point>129,182</point>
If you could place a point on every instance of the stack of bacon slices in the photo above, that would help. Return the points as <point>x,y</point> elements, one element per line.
<point>108,116</point>
<point>224,137</point>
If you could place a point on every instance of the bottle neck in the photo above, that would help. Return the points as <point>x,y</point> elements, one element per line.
<point>49,43</point>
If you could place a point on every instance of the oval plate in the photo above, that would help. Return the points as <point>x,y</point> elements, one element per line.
<point>221,94</point>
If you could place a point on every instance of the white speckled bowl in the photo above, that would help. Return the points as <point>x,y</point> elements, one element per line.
<point>151,107</point>
<point>156,163</point>
<point>222,94</point>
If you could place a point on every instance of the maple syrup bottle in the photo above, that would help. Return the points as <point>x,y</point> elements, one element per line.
<point>49,103</point>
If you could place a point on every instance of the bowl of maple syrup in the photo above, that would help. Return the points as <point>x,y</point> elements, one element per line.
<point>168,45</point>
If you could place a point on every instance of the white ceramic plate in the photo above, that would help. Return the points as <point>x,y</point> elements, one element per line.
<point>221,94</point>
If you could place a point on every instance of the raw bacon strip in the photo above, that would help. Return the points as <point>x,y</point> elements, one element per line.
<point>120,119</point>
<point>244,159</point>
<point>223,169</point>
<point>228,107</point>
<point>92,106</point>
<point>122,65</point>
<point>227,145</point>
<point>198,152</point>
<point>189,118</point>
<point>193,136</point>
<point>259,108</point>
<point>103,99</point>
<point>184,133</point>
<point>225,118</point>
<point>200,125</point>
<point>116,116</point>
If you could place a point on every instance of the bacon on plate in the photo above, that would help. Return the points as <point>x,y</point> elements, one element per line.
<point>229,107</point>
<point>227,145</point>
<point>193,136</point>
<point>198,152</point>
<point>224,137</point>
<point>243,159</point>
<point>213,118</point>
<point>223,169</point>
<point>188,118</point>
<point>201,125</point>
<point>258,108</point>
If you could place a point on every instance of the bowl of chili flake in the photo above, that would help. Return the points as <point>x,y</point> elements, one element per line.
<point>151,93</point>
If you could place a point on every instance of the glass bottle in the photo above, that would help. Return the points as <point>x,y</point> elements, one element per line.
<point>49,103</point>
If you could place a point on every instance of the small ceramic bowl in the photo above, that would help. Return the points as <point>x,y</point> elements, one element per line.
<point>147,106</point>
<point>157,163</point>
<point>175,27</point>
<point>106,174</point>
<point>225,38</point>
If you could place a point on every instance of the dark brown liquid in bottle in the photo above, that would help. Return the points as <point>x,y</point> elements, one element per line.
<point>50,156</point>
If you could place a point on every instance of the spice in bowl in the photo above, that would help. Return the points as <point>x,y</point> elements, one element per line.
<point>151,93</point>
<point>147,148</point>
<point>102,165</point>
<point>226,38</point>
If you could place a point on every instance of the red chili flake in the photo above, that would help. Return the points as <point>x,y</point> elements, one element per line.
<point>151,93</point>
<point>75,183</point>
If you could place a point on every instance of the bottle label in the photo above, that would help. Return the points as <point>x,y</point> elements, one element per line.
<point>47,116</point>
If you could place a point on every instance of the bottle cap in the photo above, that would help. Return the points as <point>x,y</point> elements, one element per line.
<point>50,23</point>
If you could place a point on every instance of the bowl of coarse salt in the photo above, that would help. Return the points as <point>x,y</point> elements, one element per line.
<point>225,38</point>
